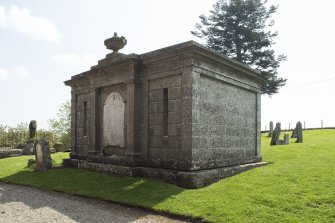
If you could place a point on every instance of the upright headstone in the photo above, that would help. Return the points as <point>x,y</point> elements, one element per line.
<point>271,129</point>
<point>299,132</point>
<point>276,134</point>
<point>286,138</point>
<point>42,155</point>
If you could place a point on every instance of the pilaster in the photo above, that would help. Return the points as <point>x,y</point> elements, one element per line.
<point>73,121</point>
<point>258,125</point>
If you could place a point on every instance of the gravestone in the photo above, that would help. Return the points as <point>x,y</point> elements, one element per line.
<point>42,155</point>
<point>271,129</point>
<point>298,130</point>
<point>276,134</point>
<point>286,138</point>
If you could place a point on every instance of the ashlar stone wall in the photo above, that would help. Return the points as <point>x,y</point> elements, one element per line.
<point>165,118</point>
<point>83,123</point>
<point>225,131</point>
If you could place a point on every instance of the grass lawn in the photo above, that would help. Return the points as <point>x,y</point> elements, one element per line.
<point>298,186</point>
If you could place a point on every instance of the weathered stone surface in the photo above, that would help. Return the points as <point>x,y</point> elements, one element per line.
<point>113,120</point>
<point>275,140</point>
<point>42,155</point>
<point>271,129</point>
<point>276,134</point>
<point>182,108</point>
<point>226,117</point>
<point>194,179</point>
<point>299,132</point>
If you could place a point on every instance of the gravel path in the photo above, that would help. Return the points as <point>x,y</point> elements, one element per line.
<point>25,204</point>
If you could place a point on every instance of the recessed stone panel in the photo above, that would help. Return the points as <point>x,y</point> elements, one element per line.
<point>113,120</point>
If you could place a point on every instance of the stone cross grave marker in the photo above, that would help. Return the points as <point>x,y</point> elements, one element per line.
<point>42,155</point>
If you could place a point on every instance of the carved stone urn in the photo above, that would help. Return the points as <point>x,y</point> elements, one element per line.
<point>115,43</point>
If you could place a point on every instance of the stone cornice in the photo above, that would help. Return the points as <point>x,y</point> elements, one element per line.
<point>189,49</point>
<point>205,52</point>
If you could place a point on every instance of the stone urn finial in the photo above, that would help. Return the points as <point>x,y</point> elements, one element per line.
<point>115,43</point>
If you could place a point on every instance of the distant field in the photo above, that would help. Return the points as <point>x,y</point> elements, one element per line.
<point>298,186</point>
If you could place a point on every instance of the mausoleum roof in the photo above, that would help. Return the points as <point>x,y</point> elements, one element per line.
<point>190,47</point>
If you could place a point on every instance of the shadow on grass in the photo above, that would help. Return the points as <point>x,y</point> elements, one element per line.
<point>138,192</point>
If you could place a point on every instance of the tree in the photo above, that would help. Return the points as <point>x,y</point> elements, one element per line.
<point>240,30</point>
<point>61,126</point>
<point>32,130</point>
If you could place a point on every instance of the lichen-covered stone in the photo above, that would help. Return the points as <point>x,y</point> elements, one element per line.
<point>271,129</point>
<point>42,155</point>
<point>298,130</point>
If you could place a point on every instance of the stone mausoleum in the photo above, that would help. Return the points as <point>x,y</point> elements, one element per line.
<point>184,114</point>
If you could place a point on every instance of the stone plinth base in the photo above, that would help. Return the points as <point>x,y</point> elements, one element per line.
<point>188,179</point>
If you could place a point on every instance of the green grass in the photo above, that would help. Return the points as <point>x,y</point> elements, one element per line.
<point>298,186</point>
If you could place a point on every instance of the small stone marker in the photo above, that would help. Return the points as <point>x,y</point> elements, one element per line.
<point>298,130</point>
<point>42,155</point>
<point>271,129</point>
<point>276,134</point>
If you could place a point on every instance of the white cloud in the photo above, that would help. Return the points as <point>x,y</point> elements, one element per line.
<point>72,59</point>
<point>22,21</point>
<point>22,72</point>
<point>3,73</point>
<point>2,17</point>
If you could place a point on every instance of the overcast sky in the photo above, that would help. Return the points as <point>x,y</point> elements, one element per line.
<point>43,43</point>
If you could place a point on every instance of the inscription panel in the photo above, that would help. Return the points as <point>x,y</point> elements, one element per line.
<point>113,120</point>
